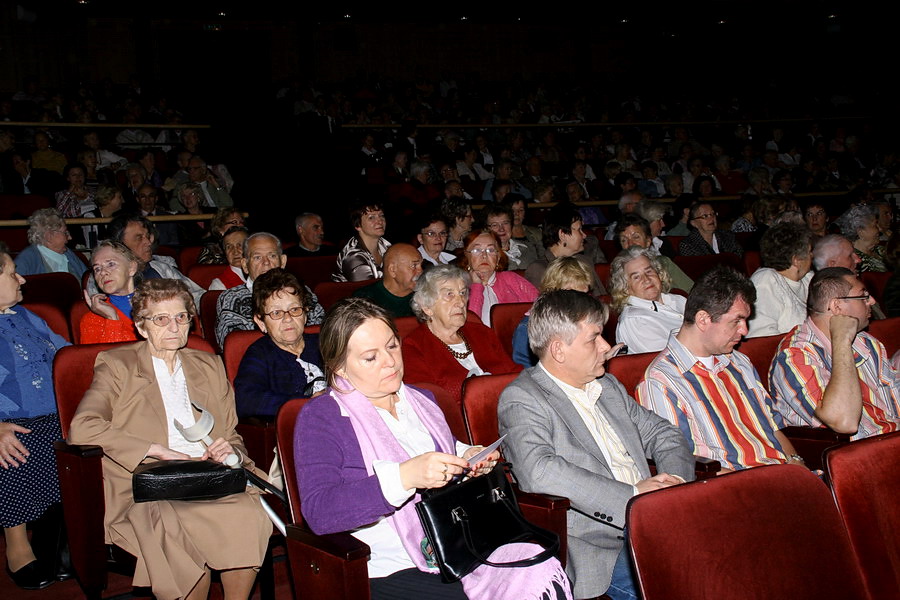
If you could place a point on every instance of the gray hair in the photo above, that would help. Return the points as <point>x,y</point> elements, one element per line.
<point>651,210</point>
<point>855,218</point>
<point>758,175</point>
<point>41,221</point>
<point>429,284</point>
<point>189,186</point>
<point>260,234</point>
<point>618,282</point>
<point>626,198</point>
<point>825,249</point>
<point>419,167</point>
<point>302,217</point>
<point>558,314</point>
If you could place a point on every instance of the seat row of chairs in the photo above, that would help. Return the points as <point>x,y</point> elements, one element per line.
<point>776,531</point>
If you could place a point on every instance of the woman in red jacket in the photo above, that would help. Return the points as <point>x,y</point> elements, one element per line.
<point>446,349</point>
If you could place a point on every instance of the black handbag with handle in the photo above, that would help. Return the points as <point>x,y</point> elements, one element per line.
<point>186,480</point>
<point>466,521</point>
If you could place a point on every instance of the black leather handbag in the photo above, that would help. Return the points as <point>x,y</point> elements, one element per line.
<point>186,480</point>
<point>466,521</point>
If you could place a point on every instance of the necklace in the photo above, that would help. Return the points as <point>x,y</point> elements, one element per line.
<point>458,355</point>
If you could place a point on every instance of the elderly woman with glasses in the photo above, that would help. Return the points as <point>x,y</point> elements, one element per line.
<point>285,363</point>
<point>705,237</point>
<point>138,392</point>
<point>491,282</point>
<point>116,273</point>
<point>499,219</point>
<point>647,312</point>
<point>47,251</point>
<point>432,240</point>
<point>446,349</point>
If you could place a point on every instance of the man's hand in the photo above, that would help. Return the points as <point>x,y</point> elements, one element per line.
<point>843,330</point>
<point>657,482</point>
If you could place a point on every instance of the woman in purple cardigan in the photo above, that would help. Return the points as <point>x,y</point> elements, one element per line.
<point>363,449</point>
<point>491,282</point>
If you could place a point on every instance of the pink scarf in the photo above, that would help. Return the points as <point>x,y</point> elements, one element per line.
<point>376,442</point>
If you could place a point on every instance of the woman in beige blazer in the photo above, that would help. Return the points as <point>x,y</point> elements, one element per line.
<point>176,543</point>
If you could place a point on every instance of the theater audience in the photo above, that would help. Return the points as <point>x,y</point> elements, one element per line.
<point>116,273</point>
<point>233,273</point>
<point>648,313</point>
<point>816,218</point>
<point>705,237</point>
<point>432,239</point>
<point>213,252</point>
<point>361,258</point>
<point>498,218</point>
<point>634,231</point>
<point>491,282</point>
<point>457,214</point>
<point>285,362</point>
<point>47,251</point>
<point>76,199</point>
<point>310,237</point>
<point>393,292</point>
<point>783,280</point>
<point>859,224</point>
<point>108,200</point>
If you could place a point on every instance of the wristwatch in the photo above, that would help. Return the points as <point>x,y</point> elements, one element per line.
<point>796,457</point>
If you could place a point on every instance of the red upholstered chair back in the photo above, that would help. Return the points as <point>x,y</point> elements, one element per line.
<point>187,258</point>
<point>695,266</point>
<point>887,331</point>
<point>751,262</point>
<point>311,270</point>
<point>761,351</point>
<point>864,482</point>
<point>767,532</point>
<point>73,372</point>
<point>208,316</point>
<point>55,318</point>
<point>875,283</point>
<point>285,423</point>
<point>451,408</point>
<point>603,270</point>
<point>504,320</point>
<point>629,369</point>
<point>406,325</point>
<point>60,289</point>
<point>76,314</point>
<point>236,344</point>
<point>203,275</point>
<point>330,292</point>
<point>479,400</point>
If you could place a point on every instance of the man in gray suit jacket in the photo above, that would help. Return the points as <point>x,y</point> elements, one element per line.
<point>573,431</point>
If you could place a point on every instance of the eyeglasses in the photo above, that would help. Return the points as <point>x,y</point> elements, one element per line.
<point>499,225</point>
<point>110,265</point>
<point>432,234</point>
<point>278,314</point>
<point>164,320</point>
<point>486,251</point>
<point>864,296</point>
<point>706,216</point>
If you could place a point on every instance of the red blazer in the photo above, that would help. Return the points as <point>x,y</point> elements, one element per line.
<point>427,360</point>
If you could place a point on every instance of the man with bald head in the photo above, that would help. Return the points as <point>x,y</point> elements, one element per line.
<point>402,267</point>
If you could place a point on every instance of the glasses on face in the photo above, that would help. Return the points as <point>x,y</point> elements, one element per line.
<point>181,318</point>
<point>863,296</point>
<point>434,234</point>
<point>110,265</point>
<point>476,252</point>
<point>709,215</point>
<point>451,295</point>
<point>498,225</point>
<point>278,314</point>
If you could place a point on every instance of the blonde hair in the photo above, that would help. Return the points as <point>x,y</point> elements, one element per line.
<point>565,272</point>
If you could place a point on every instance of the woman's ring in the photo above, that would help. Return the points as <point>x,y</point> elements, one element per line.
<point>444,477</point>
<point>445,468</point>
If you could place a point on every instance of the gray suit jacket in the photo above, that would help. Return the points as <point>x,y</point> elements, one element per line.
<point>553,452</point>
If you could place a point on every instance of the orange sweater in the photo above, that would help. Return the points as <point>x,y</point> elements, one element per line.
<point>97,330</point>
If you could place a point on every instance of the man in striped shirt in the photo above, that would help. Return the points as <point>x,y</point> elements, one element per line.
<point>827,371</point>
<point>712,393</point>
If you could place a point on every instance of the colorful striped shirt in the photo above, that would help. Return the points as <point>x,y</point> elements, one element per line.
<point>801,370</point>
<point>724,412</point>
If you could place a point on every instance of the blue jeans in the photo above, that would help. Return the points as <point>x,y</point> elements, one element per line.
<point>622,586</point>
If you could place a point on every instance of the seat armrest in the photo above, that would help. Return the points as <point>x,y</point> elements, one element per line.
<point>811,442</point>
<point>331,566</point>
<point>549,512</point>
<point>542,500</point>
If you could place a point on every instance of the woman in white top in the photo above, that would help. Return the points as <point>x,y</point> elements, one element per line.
<point>782,284</point>
<point>648,314</point>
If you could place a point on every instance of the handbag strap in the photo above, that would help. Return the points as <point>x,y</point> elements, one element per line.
<point>542,535</point>
<point>266,486</point>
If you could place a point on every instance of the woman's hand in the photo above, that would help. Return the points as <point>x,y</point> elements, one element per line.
<point>13,452</point>
<point>98,305</point>
<point>486,465</point>
<point>163,453</point>
<point>430,470</point>
<point>218,451</point>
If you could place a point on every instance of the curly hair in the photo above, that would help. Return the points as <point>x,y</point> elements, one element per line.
<point>159,290</point>
<point>618,281</point>
<point>781,243</point>
<point>277,281</point>
<point>855,218</point>
<point>429,284</point>
<point>42,221</point>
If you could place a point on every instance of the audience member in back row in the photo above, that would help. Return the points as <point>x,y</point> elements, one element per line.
<point>705,237</point>
<point>491,282</point>
<point>648,313</point>
<point>310,237</point>
<point>457,214</point>
<point>233,273</point>
<point>139,235</point>
<point>109,204</point>
<point>393,292</point>
<point>563,236</point>
<point>701,383</point>
<point>213,252</point>
<point>234,308</point>
<point>783,280</point>
<point>285,362</point>
<point>47,251</point>
<point>446,349</point>
<point>76,199</point>
<point>634,231</point>
<point>432,238</point>
<point>361,258</point>
<point>859,224</point>
<point>828,371</point>
<point>116,273</point>
<point>498,218</point>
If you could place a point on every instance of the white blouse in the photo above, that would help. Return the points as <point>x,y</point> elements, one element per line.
<point>780,302</point>
<point>645,325</point>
